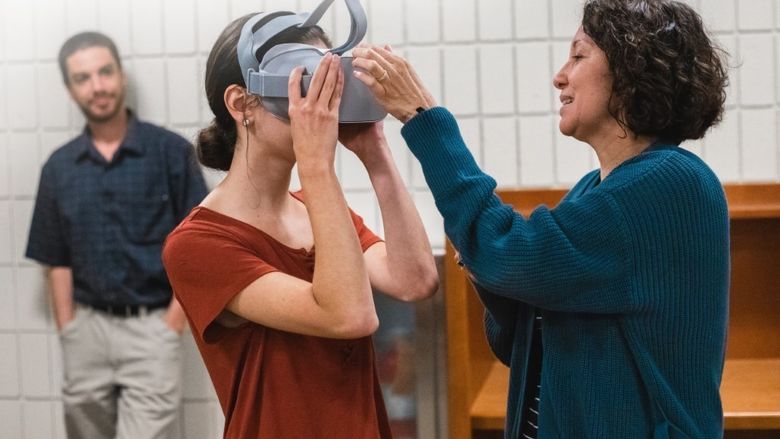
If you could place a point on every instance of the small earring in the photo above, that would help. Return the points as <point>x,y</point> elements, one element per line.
<point>247,122</point>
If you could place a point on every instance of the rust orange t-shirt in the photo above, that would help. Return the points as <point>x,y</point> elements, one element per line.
<point>270,383</point>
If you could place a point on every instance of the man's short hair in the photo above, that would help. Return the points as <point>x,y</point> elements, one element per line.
<point>81,41</point>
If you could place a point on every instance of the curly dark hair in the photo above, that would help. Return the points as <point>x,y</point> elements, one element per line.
<point>669,77</point>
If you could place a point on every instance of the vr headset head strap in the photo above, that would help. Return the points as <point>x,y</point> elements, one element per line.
<point>357,28</point>
<point>261,28</point>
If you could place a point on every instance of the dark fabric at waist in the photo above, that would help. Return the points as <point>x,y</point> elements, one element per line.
<point>127,310</point>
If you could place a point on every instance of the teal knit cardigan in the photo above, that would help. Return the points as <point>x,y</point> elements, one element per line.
<point>631,275</point>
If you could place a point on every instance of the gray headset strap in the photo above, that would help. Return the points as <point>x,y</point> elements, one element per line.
<point>357,29</point>
<point>265,84</point>
<point>250,41</point>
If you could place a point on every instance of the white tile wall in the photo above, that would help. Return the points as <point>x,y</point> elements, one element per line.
<point>759,137</point>
<point>5,233</point>
<point>757,84</point>
<point>179,26</point>
<point>536,152</point>
<point>22,23</point>
<point>490,61</point>
<point>532,19</point>
<point>495,20</point>
<point>50,28</point>
<point>146,27</point>
<point>3,18</point>
<point>5,171</point>
<point>427,63</point>
<point>719,15</point>
<point>755,14</point>
<point>497,79</point>
<point>8,310</point>
<point>22,214</point>
<point>114,20</point>
<point>38,420</point>
<point>461,90</point>
<point>11,417</point>
<point>212,17</point>
<point>566,15</point>
<point>20,92</point>
<point>422,20</point>
<point>500,137</point>
<point>459,19</point>
<point>31,299</point>
<point>23,149</point>
<point>387,23</point>
<point>182,80</point>
<point>10,384</point>
<point>52,97</point>
<point>151,102</point>
<point>3,104</point>
<point>82,15</point>
<point>36,376</point>
<point>533,69</point>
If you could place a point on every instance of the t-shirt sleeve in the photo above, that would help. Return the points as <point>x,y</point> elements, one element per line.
<point>47,242</point>
<point>365,235</point>
<point>206,271</point>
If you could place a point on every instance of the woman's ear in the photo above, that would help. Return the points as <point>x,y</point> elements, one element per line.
<point>239,102</point>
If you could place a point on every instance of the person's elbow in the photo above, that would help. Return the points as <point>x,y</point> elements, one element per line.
<point>421,288</point>
<point>356,325</point>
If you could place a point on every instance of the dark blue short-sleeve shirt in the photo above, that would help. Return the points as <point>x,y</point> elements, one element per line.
<point>107,220</point>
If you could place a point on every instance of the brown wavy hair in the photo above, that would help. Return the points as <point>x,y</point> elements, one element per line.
<point>669,77</point>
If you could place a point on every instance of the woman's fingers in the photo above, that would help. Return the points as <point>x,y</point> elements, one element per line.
<point>294,85</point>
<point>404,66</point>
<point>330,79</point>
<point>372,67</point>
<point>315,86</point>
<point>383,62</point>
<point>376,88</point>
<point>335,99</point>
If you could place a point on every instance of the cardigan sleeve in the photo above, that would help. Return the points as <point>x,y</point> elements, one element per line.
<point>574,258</point>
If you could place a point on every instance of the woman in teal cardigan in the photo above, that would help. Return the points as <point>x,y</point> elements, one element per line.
<point>610,309</point>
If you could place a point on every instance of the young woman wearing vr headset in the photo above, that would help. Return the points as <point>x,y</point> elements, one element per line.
<point>285,331</point>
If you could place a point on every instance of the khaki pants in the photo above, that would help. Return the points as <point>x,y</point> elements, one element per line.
<point>122,376</point>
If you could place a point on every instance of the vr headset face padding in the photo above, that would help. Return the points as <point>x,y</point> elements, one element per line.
<point>268,77</point>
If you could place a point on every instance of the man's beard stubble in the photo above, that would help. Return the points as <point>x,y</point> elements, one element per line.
<point>95,118</point>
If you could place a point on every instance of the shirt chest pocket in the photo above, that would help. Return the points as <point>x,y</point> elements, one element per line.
<point>146,220</point>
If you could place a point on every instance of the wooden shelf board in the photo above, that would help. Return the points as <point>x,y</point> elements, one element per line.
<point>754,212</point>
<point>750,393</point>
<point>489,408</point>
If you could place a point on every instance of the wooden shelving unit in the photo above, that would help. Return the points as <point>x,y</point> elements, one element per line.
<point>477,382</point>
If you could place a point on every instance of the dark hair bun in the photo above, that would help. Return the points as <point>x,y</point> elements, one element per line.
<point>215,147</point>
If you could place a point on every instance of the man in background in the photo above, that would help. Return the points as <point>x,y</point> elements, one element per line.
<point>106,201</point>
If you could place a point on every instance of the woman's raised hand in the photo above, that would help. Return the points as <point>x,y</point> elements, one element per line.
<point>392,80</point>
<point>314,118</point>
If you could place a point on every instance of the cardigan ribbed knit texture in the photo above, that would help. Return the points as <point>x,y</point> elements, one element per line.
<point>631,275</point>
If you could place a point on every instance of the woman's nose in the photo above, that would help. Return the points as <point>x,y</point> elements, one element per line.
<point>559,80</point>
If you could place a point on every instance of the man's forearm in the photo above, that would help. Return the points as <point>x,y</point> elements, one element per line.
<point>61,291</point>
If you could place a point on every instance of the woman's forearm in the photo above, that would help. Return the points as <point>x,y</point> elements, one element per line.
<point>409,256</point>
<point>340,283</point>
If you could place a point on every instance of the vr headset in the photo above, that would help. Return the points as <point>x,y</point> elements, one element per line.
<point>268,76</point>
